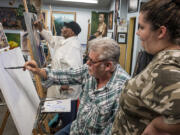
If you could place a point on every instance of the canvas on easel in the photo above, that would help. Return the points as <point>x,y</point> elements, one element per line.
<point>18,91</point>
<point>35,40</point>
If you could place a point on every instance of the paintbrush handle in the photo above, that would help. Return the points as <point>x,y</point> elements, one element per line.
<point>14,67</point>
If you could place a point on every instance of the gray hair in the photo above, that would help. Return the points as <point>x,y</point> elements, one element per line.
<point>107,48</point>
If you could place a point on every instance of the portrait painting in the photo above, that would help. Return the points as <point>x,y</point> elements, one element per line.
<point>95,20</point>
<point>110,20</point>
<point>58,18</point>
<point>8,18</point>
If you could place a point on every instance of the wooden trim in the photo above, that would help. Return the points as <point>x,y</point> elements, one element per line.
<point>122,58</point>
<point>4,122</point>
<point>130,44</point>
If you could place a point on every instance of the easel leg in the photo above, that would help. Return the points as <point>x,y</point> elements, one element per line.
<point>4,122</point>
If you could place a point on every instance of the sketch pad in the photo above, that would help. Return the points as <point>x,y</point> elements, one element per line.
<point>18,91</point>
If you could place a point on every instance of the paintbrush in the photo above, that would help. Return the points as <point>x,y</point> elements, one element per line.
<point>14,67</point>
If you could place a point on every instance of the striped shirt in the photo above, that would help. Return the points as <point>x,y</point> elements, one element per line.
<point>97,108</point>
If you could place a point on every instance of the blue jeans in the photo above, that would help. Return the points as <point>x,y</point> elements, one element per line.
<point>69,117</point>
<point>65,130</point>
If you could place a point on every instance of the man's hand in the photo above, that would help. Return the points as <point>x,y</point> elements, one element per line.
<point>38,25</point>
<point>151,130</point>
<point>32,66</point>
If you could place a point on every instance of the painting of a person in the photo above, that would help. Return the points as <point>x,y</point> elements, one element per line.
<point>102,28</point>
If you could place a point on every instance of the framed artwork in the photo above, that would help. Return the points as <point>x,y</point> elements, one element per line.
<point>133,6</point>
<point>110,20</point>
<point>95,21</point>
<point>58,18</point>
<point>110,34</point>
<point>122,38</point>
<point>8,18</point>
<point>14,39</point>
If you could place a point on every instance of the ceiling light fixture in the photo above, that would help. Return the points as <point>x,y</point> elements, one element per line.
<point>82,1</point>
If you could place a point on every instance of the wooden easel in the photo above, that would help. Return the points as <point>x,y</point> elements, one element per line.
<point>36,130</point>
<point>5,118</point>
<point>38,88</point>
<point>37,78</point>
<point>45,26</point>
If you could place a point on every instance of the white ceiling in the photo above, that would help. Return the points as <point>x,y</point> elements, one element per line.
<point>102,4</point>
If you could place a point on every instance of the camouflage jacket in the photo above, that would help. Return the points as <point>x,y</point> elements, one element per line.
<point>153,92</point>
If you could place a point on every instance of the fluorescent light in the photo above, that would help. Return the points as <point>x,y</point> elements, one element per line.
<point>82,1</point>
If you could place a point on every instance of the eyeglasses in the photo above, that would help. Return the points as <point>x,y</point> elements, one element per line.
<point>94,62</point>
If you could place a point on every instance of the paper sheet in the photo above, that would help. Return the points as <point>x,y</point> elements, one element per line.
<point>18,90</point>
<point>57,106</point>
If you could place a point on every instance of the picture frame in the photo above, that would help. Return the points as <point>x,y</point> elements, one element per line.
<point>110,20</point>
<point>58,18</point>
<point>122,38</point>
<point>133,6</point>
<point>9,19</point>
<point>14,39</point>
<point>95,21</point>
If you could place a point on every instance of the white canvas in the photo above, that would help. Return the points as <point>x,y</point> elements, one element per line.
<point>19,91</point>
